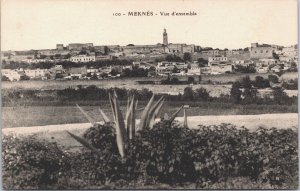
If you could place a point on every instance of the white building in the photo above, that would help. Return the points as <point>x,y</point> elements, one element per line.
<point>217,60</point>
<point>82,58</point>
<point>262,70</point>
<point>12,75</point>
<point>268,61</point>
<point>277,68</point>
<point>164,67</point>
<point>143,65</point>
<point>167,67</point>
<point>233,52</point>
<point>105,69</point>
<point>36,73</point>
<point>181,65</point>
<point>116,54</point>
<point>290,51</point>
<point>285,58</point>
<point>221,68</point>
<point>34,61</point>
<point>21,58</point>
<point>127,67</point>
<point>92,70</point>
<point>211,52</point>
<point>103,57</point>
<point>194,69</point>
<point>238,62</point>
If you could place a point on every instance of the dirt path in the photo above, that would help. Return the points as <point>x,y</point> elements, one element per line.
<point>56,133</point>
<point>278,120</point>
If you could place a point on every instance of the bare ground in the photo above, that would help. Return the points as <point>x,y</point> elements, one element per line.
<point>57,132</point>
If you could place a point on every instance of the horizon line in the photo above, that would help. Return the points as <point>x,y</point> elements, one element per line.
<point>65,45</point>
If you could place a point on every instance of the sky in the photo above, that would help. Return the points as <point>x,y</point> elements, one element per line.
<point>41,24</point>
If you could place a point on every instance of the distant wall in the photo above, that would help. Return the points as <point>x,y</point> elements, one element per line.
<point>261,52</point>
<point>243,56</point>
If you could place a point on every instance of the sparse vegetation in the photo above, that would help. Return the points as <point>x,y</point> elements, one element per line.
<point>245,69</point>
<point>260,82</point>
<point>244,91</point>
<point>290,84</point>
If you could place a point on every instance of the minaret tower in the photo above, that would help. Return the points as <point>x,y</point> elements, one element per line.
<point>165,38</point>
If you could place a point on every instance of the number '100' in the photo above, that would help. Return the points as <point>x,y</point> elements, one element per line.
<point>116,14</point>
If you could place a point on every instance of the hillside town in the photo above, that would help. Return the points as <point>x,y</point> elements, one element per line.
<point>89,61</point>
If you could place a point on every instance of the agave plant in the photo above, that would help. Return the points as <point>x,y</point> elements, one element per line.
<point>126,129</point>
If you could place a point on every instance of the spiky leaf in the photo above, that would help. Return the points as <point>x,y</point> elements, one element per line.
<point>83,142</point>
<point>112,104</point>
<point>128,103</point>
<point>120,127</point>
<point>136,104</point>
<point>145,114</point>
<point>130,119</point>
<point>140,109</point>
<point>175,114</point>
<point>154,111</point>
<point>86,115</point>
<point>105,118</point>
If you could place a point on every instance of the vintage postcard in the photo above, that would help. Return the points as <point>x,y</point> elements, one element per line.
<point>143,94</point>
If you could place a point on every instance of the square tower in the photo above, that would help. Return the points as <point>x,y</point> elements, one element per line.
<point>165,38</point>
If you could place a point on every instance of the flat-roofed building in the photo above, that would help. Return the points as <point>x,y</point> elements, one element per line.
<point>194,69</point>
<point>36,73</point>
<point>261,51</point>
<point>221,68</point>
<point>83,58</point>
<point>217,60</point>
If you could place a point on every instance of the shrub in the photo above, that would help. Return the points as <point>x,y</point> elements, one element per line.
<point>24,77</point>
<point>91,169</point>
<point>273,78</point>
<point>93,93</point>
<point>280,157</point>
<point>172,154</point>
<point>260,82</point>
<point>245,69</point>
<point>191,80</point>
<point>171,81</point>
<point>29,163</point>
<point>167,156</point>
<point>173,58</point>
<point>110,167</point>
<point>280,97</point>
<point>102,137</point>
<point>291,85</point>
<point>246,82</point>
<point>264,155</point>
<point>202,94</point>
<point>188,93</point>
<point>4,78</point>
<point>235,92</point>
<point>211,156</point>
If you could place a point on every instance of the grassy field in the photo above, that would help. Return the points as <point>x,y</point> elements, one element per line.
<point>57,132</point>
<point>24,115</point>
<point>218,84</point>
<point>225,78</point>
<point>127,82</point>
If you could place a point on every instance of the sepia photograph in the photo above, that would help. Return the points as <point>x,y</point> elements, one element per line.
<point>148,94</point>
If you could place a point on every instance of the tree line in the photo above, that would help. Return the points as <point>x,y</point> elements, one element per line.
<point>241,93</point>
